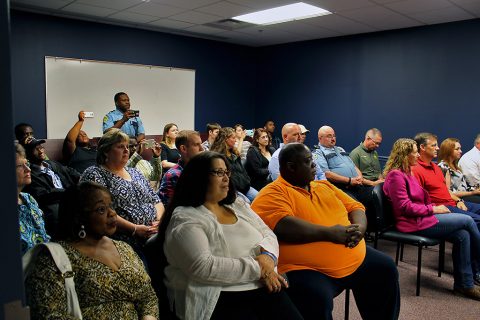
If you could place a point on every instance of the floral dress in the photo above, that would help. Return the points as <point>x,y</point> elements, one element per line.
<point>32,226</point>
<point>102,293</point>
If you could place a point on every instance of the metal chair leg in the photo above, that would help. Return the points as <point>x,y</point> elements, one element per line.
<point>441,258</point>
<point>419,267</point>
<point>347,303</point>
<point>397,253</point>
<point>401,252</point>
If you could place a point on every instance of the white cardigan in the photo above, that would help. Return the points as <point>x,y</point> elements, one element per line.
<point>199,262</point>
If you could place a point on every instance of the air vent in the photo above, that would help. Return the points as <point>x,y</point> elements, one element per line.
<point>229,24</point>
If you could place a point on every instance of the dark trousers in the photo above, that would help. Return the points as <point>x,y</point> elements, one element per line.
<point>374,285</point>
<point>255,304</point>
<point>364,195</point>
<point>473,210</point>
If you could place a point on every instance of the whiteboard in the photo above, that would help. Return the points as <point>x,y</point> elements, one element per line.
<point>162,94</point>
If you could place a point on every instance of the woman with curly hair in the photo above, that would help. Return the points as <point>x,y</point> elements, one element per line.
<point>225,144</point>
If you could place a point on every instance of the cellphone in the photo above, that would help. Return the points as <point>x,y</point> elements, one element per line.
<point>149,143</point>
<point>88,114</point>
<point>250,132</point>
<point>136,113</point>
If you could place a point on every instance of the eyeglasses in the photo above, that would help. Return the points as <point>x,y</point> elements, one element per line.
<point>330,136</point>
<point>375,142</point>
<point>221,173</point>
<point>103,209</point>
<point>25,165</point>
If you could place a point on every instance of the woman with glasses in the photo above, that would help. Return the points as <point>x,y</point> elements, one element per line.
<point>110,279</point>
<point>449,154</point>
<point>32,226</point>
<point>220,255</point>
<point>225,144</point>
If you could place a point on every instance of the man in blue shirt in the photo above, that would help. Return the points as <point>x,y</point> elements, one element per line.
<point>124,119</point>
<point>341,171</point>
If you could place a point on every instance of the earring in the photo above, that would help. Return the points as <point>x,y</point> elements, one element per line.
<point>82,234</point>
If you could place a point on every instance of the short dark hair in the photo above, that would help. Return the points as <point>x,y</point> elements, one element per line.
<point>117,96</point>
<point>183,136</point>
<point>422,137</point>
<point>19,130</point>
<point>213,126</point>
<point>267,121</point>
<point>71,211</point>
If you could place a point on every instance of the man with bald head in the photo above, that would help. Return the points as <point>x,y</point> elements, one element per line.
<point>320,230</point>
<point>291,132</point>
<point>341,171</point>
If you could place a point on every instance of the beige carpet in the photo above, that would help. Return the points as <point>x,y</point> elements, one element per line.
<point>436,300</point>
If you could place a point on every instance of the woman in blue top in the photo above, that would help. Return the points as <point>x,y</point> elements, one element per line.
<point>32,226</point>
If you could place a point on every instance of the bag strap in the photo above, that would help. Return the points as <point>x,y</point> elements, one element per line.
<point>64,266</point>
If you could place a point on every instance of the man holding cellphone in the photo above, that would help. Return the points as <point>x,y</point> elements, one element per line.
<point>124,119</point>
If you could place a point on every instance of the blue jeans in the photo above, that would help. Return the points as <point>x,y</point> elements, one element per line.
<point>461,230</point>
<point>473,211</point>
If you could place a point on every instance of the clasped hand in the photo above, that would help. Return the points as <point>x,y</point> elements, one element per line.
<point>272,280</point>
<point>349,235</point>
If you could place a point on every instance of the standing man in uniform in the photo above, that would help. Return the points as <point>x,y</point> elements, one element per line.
<point>124,119</point>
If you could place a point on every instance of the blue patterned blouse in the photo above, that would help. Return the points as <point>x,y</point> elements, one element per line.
<point>132,200</point>
<point>32,226</point>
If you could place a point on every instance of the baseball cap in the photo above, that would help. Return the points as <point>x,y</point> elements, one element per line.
<point>303,129</point>
<point>32,143</point>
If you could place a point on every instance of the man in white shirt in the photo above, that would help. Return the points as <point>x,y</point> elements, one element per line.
<point>470,163</point>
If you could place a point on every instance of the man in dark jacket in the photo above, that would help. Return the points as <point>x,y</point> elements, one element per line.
<point>49,181</point>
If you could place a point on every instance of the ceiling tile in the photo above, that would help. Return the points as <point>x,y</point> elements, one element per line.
<point>264,4</point>
<point>50,4</point>
<point>186,4</point>
<point>340,24</point>
<point>380,18</point>
<point>112,4</point>
<point>196,17</point>
<point>225,9</point>
<point>155,9</point>
<point>442,15</point>
<point>204,29</point>
<point>472,6</point>
<point>132,17</point>
<point>173,24</point>
<point>409,7</point>
<point>336,5</point>
<point>88,10</point>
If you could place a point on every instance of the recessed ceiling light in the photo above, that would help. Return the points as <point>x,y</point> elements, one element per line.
<point>290,12</point>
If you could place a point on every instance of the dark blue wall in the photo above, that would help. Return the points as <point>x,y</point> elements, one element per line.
<point>403,82</point>
<point>225,73</point>
<point>11,268</point>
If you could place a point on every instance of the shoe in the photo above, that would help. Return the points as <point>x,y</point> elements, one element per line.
<point>472,293</point>
<point>476,279</point>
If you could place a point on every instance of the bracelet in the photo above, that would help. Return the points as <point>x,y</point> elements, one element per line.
<point>349,180</point>
<point>271,255</point>
<point>134,230</point>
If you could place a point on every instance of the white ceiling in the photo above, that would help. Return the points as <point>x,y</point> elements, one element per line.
<point>195,17</point>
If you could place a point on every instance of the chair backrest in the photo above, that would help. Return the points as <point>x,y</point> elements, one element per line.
<point>384,218</point>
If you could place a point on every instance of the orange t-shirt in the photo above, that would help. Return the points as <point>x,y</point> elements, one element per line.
<point>324,205</point>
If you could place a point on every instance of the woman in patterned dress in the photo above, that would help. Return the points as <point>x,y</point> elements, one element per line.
<point>32,226</point>
<point>449,154</point>
<point>138,207</point>
<point>110,279</point>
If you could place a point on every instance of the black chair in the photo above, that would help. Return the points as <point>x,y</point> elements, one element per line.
<point>385,229</point>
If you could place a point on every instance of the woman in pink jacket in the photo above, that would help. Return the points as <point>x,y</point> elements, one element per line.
<point>414,213</point>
